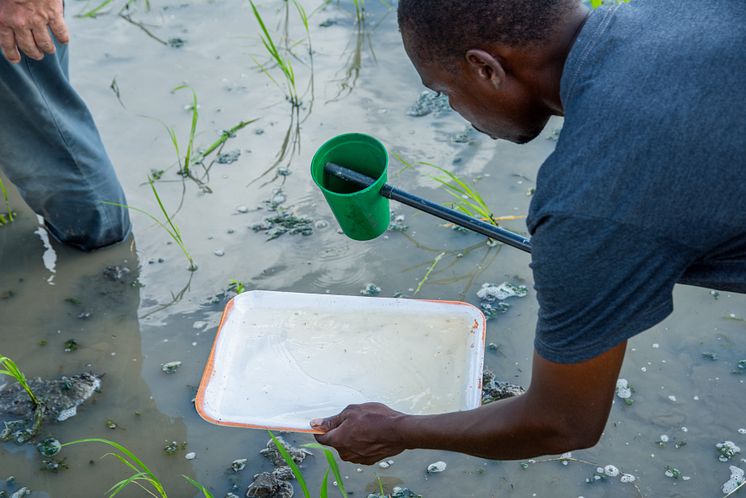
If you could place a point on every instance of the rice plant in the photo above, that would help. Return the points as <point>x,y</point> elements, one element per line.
<point>291,463</point>
<point>125,13</point>
<point>466,198</point>
<point>176,297</point>
<point>8,216</point>
<point>280,58</point>
<point>598,3</point>
<point>237,286</point>
<point>172,42</point>
<point>333,468</point>
<point>102,8</point>
<point>184,166</point>
<point>429,272</point>
<point>166,224</point>
<point>192,156</point>
<point>355,49</point>
<point>217,146</point>
<point>8,367</point>
<point>359,11</point>
<point>143,477</point>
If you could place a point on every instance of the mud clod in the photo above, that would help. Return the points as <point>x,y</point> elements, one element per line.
<point>60,397</point>
<point>495,390</point>
<point>272,454</point>
<point>270,485</point>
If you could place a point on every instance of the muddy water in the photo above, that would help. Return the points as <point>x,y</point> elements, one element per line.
<point>173,314</point>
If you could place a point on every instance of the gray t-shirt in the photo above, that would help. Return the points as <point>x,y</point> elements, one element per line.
<point>647,185</point>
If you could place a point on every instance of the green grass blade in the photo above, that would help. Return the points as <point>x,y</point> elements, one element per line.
<point>175,143</point>
<point>174,228</point>
<point>303,15</point>
<point>7,201</point>
<point>225,136</point>
<point>126,462</point>
<point>468,197</point>
<point>12,370</point>
<point>133,479</point>
<point>324,491</point>
<point>291,463</point>
<point>448,185</point>
<point>429,271</point>
<point>143,473</point>
<point>284,64</point>
<point>132,457</point>
<point>264,70</point>
<point>92,13</point>
<point>332,465</point>
<point>193,128</point>
<point>142,211</point>
<point>271,48</point>
<point>198,485</point>
<point>176,236</point>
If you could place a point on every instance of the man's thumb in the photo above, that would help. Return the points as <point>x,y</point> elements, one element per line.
<point>326,424</point>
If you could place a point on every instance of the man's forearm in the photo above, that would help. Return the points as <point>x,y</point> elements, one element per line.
<point>509,429</point>
<point>565,408</point>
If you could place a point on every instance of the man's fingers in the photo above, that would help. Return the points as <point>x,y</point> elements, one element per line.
<point>43,40</point>
<point>59,29</point>
<point>27,44</point>
<point>8,46</point>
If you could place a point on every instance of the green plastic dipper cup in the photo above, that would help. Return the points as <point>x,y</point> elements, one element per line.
<point>362,213</point>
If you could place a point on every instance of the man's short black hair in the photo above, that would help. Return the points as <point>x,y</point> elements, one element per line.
<point>446,29</point>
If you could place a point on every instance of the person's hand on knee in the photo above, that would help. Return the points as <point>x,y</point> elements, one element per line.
<point>25,25</point>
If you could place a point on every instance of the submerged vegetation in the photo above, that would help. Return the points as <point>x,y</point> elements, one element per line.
<point>355,49</point>
<point>9,215</point>
<point>142,476</point>
<point>8,367</point>
<point>280,58</point>
<point>167,224</point>
<point>192,156</point>
<point>126,13</point>
<point>18,429</point>
<point>333,468</point>
<point>598,3</point>
<point>466,198</point>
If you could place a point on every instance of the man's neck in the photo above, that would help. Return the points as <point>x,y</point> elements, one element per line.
<point>541,67</point>
<point>564,41</point>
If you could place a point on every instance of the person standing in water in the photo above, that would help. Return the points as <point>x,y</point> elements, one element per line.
<point>51,149</point>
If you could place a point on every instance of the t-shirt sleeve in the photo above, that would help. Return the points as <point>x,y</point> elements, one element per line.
<point>598,283</point>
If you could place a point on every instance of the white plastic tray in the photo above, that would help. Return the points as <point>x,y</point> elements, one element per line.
<point>282,359</point>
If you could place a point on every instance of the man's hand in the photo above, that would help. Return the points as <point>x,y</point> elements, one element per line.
<point>25,25</point>
<point>363,434</point>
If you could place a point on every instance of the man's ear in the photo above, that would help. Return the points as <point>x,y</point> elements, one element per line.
<point>486,66</point>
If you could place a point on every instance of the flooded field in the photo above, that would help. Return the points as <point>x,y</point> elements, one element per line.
<point>127,311</point>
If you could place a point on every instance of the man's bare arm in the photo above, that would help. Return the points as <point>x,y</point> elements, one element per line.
<point>25,26</point>
<point>565,408</point>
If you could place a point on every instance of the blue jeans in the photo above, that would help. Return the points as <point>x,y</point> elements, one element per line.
<point>52,152</point>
